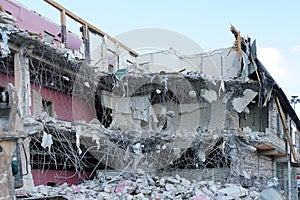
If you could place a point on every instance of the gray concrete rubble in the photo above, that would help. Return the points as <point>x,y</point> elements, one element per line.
<point>214,130</point>
<point>144,186</point>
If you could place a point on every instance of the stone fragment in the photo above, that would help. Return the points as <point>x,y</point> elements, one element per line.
<point>140,172</point>
<point>170,187</point>
<point>107,188</point>
<point>234,191</point>
<point>173,180</point>
<point>185,182</point>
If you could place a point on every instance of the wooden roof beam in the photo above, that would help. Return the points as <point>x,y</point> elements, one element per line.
<point>90,26</point>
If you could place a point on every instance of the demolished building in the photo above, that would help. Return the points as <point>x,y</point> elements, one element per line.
<point>72,106</point>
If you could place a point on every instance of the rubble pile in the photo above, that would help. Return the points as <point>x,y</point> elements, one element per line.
<point>145,186</point>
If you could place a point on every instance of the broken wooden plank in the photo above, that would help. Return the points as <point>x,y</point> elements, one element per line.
<point>238,41</point>
<point>63,27</point>
<point>255,68</point>
<point>236,124</point>
<point>90,26</point>
<point>286,129</point>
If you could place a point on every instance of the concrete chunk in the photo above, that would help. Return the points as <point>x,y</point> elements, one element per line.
<point>240,103</point>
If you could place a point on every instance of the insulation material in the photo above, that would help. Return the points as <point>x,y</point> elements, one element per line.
<point>140,106</point>
<point>47,141</point>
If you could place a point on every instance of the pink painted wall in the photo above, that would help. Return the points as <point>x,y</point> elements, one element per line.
<point>42,177</point>
<point>82,109</point>
<point>4,79</point>
<point>62,102</point>
<point>67,107</point>
<point>34,23</point>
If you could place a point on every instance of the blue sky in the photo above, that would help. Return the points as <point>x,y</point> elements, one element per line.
<point>274,24</point>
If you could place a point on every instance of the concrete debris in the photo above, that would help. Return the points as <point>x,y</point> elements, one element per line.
<point>270,193</point>
<point>7,18</point>
<point>4,43</point>
<point>135,186</point>
<point>142,121</point>
<point>234,191</point>
<point>240,103</point>
<point>209,95</point>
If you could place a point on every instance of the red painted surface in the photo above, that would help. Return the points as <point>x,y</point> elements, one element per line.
<point>35,23</point>
<point>66,107</point>
<point>43,177</point>
<point>5,78</point>
<point>62,102</point>
<point>83,110</point>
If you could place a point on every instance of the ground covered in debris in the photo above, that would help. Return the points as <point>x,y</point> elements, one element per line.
<point>145,186</point>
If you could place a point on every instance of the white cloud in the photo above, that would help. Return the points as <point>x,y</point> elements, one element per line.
<point>275,63</point>
<point>296,49</point>
<point>283,68</point>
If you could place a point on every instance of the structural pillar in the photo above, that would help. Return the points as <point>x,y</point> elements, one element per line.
<point>7,149</point>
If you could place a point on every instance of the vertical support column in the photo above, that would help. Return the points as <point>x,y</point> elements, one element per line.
<point>22,84</point>
<point>63,27</point>
<point>289,173</point>
<point>7,148</point>
<point>104,55</point>
<point>116,57</point>
<point>28,182</point>
<point>86,41</point>
<point>8,141</point>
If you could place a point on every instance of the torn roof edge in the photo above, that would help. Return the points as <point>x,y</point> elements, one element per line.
<point>281,95</point>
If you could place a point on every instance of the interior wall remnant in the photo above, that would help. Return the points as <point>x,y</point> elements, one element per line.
<point>257,118</point>
<point>135,111</point>
<point>37,107</point>
<point>218,115</point>
<point>193,116</point>
<point>42,105</point>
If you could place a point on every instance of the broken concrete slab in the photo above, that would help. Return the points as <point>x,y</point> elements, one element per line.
<point>209,95</point>
<point>240,103</point>
<point>270,193</point>
<point>234,191</point>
